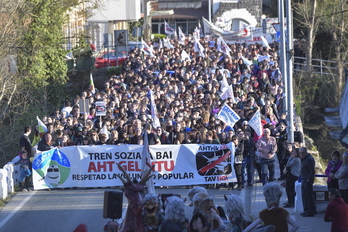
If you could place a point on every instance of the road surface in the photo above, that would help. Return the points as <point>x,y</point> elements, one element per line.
<point>63,210</point>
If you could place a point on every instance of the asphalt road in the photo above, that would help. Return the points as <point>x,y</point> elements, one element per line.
<point>63,210</point>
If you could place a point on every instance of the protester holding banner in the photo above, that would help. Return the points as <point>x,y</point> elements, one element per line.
<point>46,143</point>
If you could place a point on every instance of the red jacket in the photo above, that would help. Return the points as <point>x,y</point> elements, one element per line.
<point>337,213</point>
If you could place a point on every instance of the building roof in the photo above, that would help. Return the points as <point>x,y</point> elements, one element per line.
<point>170,4</point>
<point>183,13</point>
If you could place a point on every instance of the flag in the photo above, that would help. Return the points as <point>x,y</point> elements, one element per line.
<point>264,42</point>
<point>91,83</point>
<point>160,44</point>
<point>167,29</point>
<point>146,46</point>
<point>167,43</point>
<point>184,55</point>
<point>155,122</point>
<point>147,49</point>
<point>105,131</point>
<point>196,33</point>
<point>228,93</point>
<point>255,123</point>
<point>200,30</point>
<point>42,128</point>
<point>175,34</point>
<point>146,163</point>
<point>228,116</point>
<point>223,47</point>
<point>246,61</point>
<point>224,83</point>
<point>226,90</point>
<point>181,37</point>
<point>198,47</point>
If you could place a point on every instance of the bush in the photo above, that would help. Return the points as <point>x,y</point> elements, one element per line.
<point>114,70</point>
<point>158,36</point>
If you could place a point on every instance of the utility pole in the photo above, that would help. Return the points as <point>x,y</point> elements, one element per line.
<point>289,57</point>
<point>283,63</point>
<point>146,26</point>
<point>286,49</point>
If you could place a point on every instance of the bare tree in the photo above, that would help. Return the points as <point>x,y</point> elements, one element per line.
<point>338,29</point>
<point>308,20</point>
<point>13,97</point>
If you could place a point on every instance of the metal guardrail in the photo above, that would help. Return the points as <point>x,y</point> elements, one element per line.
<point>326,67</point>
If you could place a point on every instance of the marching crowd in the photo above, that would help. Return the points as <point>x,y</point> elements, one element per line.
<point>187,95</point>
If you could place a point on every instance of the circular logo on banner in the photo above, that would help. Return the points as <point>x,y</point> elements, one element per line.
<point>53,166</point>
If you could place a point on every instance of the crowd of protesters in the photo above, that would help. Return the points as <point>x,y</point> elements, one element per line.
<point>187,95</point>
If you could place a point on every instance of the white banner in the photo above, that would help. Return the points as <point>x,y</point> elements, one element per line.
<point>96,166</point>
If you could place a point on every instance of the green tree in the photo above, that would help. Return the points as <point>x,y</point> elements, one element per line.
<point>43,54</point>
<point>42,58</point>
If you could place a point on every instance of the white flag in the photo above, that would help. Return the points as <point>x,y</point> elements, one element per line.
<point>167,43</point>
<point>264,42</point>
<point>185,56</point>
<point>181,37</point>
<point>147,49</point>
<point>226,90</point>
<point>228,93</point>
<point>228,116</point>
<point>167,29</point>
<point>146,163</point>
<point>42,128</point>
<point>196,33</point>
<point>255,123</point>
<point>146,46</point>
<point>198,47</point>
<point>105,131</point>
<point>156,123</point>
<point>224,83</point>
<point>91,83</point>
<point>246,61</point>
<point>223,47</point>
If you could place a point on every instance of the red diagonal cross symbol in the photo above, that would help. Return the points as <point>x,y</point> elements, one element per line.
<point>216,162</point>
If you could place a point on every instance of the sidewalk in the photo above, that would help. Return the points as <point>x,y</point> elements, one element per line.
<point>254,203</point>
